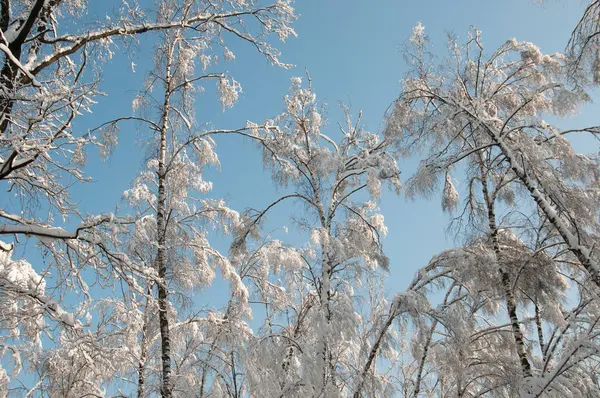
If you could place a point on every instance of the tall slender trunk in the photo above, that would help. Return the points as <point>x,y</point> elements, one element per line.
<point>143,349</point>
<point>161,261</point>
<point>325,296</point>
<point>426,348</point>
<point>394,312</point>
<point>324,356</point>
<point>142,363</point>
<point>540,330</point>
<point>234,375</point>
<point>511,306</point>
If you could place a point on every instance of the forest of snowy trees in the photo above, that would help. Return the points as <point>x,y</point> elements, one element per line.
<point>112,304</point>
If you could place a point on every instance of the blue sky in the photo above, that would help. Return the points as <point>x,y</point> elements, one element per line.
<point>352,51</point>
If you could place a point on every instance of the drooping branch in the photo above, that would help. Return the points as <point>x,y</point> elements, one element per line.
<point>392,315</point>
<point>533,185</point>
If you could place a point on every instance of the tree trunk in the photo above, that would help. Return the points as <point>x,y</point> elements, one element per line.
<point>423,358</point>
<point>325,314</point>
<point>161,263</point>
<point>9,74</point>
<point>540,330</point>
<point>375,348</point>
<point>143,349</point>
<point>511,306</point>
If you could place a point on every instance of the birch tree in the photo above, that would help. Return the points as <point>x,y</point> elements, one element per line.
<point>45,85</point>
<point>317,350</point>
<point>502,99</point>
<point>174,220</point>
<point>465,346</point>
<point>45,79</point>
<point>480,117</point>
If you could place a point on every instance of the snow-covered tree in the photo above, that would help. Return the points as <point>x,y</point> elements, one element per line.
<point>311,343</point>
<point>46,83</point>
<point>498,101</point>
<point>584,46</point>
<point>170,235</point>
<point>479,120</point>
<point>50,75</point>
<point>465,346</point>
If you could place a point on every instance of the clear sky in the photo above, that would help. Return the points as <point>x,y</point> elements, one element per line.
<point>352,50</point>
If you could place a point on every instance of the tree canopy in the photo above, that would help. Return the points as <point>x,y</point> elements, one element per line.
<point>115,304</point>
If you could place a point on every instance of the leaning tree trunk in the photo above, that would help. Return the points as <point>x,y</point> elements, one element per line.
<point>579,249</point>
<point>426,348</point>
<point>511,305</point>
<point>393,313</point>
